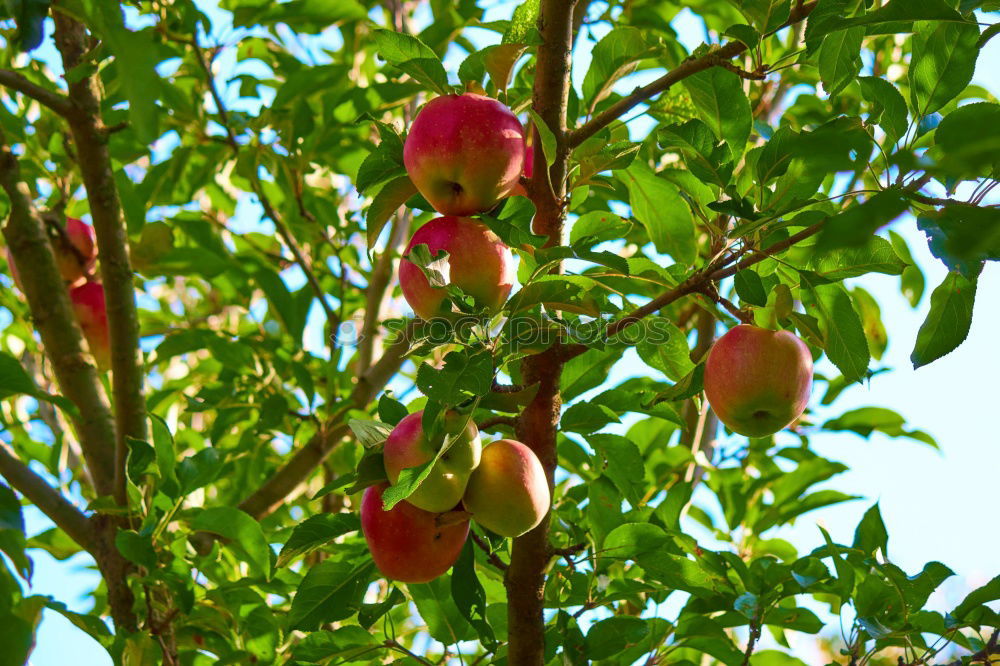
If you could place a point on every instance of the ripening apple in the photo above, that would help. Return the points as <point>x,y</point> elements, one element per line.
<point>92,316</point>
<point>508,493</point>
<point>757,380</point>
<point>529,168</point>
<point>409,544</point>
<point>75,250</point>
<point>464,153</point>
<point>407,446</point>
<point>478,263</point>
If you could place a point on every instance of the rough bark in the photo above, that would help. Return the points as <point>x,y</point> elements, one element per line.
<point>525,578</point>
<point>90,140</point>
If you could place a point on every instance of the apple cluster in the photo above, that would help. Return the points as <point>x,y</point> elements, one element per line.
<point>502,486</point>
<point>75,250</point>
<point>464,153</point>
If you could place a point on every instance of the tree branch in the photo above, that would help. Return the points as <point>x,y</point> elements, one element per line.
<point>494,421</point>
<point>530,554</point>
<point>490,555</point>
<point>258,188</point>
<point>54,320</point>
<point>687,68</point>
<point>51,99</point>
<point>695,284</point>
<point>90,139</point>
<point>66,516</point>
<point>284,481</point>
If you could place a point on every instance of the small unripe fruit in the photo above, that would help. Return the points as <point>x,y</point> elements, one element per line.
<point>464,153</point>
<point>478,263</point>
<point>758,381</point>
<point>508,493</point>
<point>409,544</point>
<point>407,446</point>
<point>92,316</point>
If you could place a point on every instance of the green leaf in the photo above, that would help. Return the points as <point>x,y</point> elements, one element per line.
<point>369,614</point>
<point>390,410</point>
<point>663,346</point>
<point>439,611</point>
<point>596,226</point>
<point>136,547</point>
<point>840,59</point>
<point>875,256</point>
<point>343,643</point>
<point>750,288</point>
<point>469,595</point>
<point>866,420</point>
<point>981,595</point>
<point>389,199</point>
<point>854,226</point>
<point>963,236</point>
<point>331,591</point>
<point>166,454</point>
<point>413,57</point>
<point>614,635</point>
<point>370,434</point>
<point>885,19</point>
<point>704,155</point>
<point>315,532</point>
<point>546,135</point>
<point>30,17</point>
<point>244,533</point>
<point>617,54</point>
<point>657,203</point>
<point>13,378</point>
<point>381,164</point>
<point>870,535</point>
<point>846,345</point>
<point>969,138</point>
<point>718,95</point>
<point>523,21</point>
<point>464,375</point>
<point>942,64</point>
<point>888,108</point>
<point>570,293</point>
<point>622,463</point>
<point>137,59</point>
<point>948,322</point>
<point>911,282</point>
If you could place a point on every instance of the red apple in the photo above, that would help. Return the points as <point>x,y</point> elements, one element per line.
<point>445,484</point>
<point>92,316</point>
<point>409,544</point>
<point>479,263</point>
<point>758,381</point>
<point>464,153</point>
<point>508,493</point>
<point>75,250</point>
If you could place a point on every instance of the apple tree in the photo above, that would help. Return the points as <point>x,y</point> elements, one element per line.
<point>204,419</point>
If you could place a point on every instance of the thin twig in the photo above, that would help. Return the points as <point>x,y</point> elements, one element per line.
<point>682,71</point>
<point>258,188</point>
<point>494,421</point>
<point>67,517</point>
<point>490,555</point>
<point>53,100</point>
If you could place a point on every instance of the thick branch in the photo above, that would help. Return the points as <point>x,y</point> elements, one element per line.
<point>90,138</point>
<point>525,578</point>
<point>53,100</point>
<point>55,323</point>
<point>48,500</point>
<point>689,67</point>
<point>284,481</point>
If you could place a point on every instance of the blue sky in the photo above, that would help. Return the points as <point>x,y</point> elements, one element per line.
<point>935,504</point>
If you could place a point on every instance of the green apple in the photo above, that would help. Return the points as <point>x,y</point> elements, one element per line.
<point>407,446</point>
<point>509,492</point>
<point>758,381</point>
